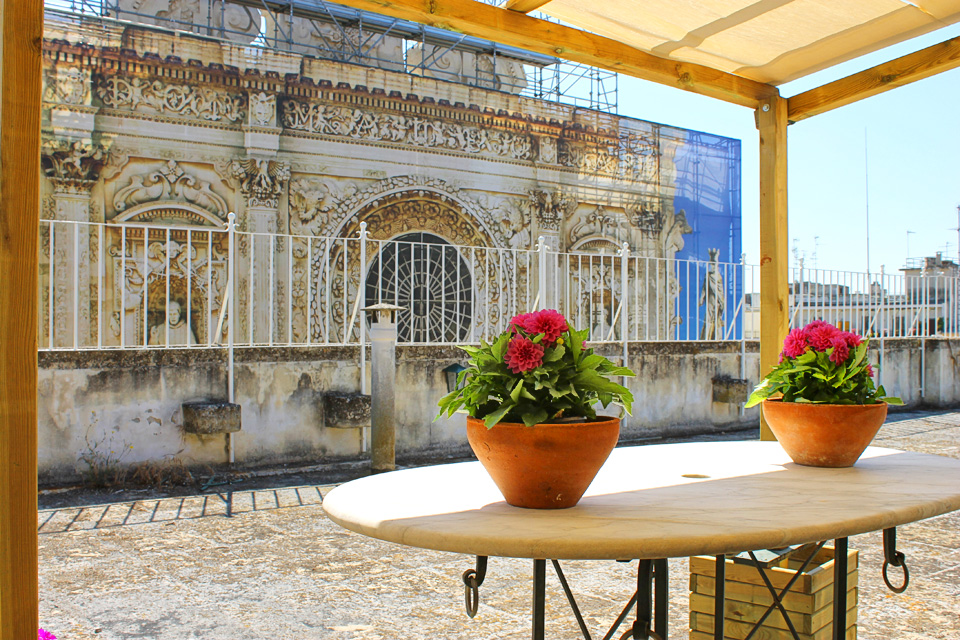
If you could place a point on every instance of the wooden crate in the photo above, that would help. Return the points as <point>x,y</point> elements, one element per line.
<point>809,601</point>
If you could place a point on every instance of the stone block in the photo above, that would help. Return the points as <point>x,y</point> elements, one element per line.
<point>730,390</point>
<point>210,417</point>
<point>346,410</point>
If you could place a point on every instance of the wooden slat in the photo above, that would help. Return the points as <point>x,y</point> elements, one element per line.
<point>524,6</point>
<point>22,34</point>
<point>774,295</point>
<point>889,75</point>
<point>519,30</point>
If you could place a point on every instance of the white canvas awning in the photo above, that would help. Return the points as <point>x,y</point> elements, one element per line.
<point>770,41</point>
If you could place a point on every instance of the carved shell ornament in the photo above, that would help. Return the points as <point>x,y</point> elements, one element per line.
<point>170,183</point>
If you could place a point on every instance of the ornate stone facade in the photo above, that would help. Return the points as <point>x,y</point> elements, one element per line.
<point>314,148</point>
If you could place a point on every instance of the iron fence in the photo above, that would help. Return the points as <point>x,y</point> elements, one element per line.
<point>106,286</point>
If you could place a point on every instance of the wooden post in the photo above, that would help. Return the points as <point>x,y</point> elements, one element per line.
<point>21,37</point>
<point>774,296</point>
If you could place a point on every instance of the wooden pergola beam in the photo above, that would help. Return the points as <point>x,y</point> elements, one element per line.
<point>774,255</point>
<point>518,30</point>
<point>524,6</point>
<point>883,77</point>
<point>22,35</point>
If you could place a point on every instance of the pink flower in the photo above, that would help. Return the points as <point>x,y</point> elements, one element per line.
<point>549,322</point>
<point>43,634</point>
<point>840,349</point>
<point>869,370</point>
<point>853,340</point>
<point>820,335</point>
<point>523,355</point>
<point>520,321</point>
<point>794,344</point>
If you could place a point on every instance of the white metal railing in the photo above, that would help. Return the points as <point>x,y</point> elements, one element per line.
<point>110,286</point>
<point>880,305</point>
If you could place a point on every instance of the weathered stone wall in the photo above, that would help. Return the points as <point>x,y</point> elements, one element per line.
<point>125,407</point>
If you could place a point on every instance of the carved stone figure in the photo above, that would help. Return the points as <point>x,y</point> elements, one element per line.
<point>713,297</point>
<point>263,109</point>
<point>261,181</point>
<point>550,207</point>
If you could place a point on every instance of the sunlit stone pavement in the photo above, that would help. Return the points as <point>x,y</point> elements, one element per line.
<point>179,567</point>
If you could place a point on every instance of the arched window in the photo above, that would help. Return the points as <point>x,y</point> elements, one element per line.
<point>428,277</point>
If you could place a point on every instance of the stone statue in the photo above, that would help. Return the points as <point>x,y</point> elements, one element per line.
<point>712,295</point>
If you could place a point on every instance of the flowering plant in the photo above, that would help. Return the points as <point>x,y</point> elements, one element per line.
<point>822,364</point>
<point>539,370</point>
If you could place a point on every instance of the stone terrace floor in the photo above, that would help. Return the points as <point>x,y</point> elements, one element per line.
<point>128,565</point>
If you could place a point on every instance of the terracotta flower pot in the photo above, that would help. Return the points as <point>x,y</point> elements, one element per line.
<point>824,435</point>
<point>548,466</point>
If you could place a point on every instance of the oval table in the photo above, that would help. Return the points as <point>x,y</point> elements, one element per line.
<point>656,502</point>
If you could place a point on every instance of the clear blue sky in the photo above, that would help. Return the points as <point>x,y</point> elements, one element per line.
<point>913,154</point>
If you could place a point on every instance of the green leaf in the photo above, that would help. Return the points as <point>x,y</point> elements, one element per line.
<point>536,416</point>
<point>497,416</point>
<point>590,362</point>
<point>517,390</point>
<point>552,355</point>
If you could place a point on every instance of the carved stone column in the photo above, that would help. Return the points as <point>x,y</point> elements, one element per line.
<point>73,168</point>
<point>262,182</point>
<point>548,210</point>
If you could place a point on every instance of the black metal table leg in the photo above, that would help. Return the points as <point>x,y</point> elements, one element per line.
<point>661,595</point>
<point>539,598</point>
<point>719,595</point>
<point>840,589</point>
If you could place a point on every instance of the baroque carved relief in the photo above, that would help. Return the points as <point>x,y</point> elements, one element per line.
<point>361,125</point>
<point>171,183</point>
<point>66,85</point>
<point>600,223</point>
<point>313,204</point>
<point>633,158</point>
<point>261,181</point>
<point>137,94</point>
<point>72,166</point>
<point>479,70</point>
<point>235,22</point>
<point>550,207</point>
<point>263,109</point>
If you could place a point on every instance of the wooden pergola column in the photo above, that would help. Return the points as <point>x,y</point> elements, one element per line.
<point>20,47</point>
<point>774,294</point>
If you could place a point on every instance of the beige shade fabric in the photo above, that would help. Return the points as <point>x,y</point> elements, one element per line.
<point>771,41</point>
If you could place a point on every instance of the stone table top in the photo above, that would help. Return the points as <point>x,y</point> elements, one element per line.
<point>657,501</point>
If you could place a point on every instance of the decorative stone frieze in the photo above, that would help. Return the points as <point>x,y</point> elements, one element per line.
<point>184,100</point>
<point>361,125</point>
<point>73,166</point>
<point>261,181</point>
<point>171,183</point>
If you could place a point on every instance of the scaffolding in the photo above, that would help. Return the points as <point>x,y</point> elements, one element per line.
<point>334,32</point>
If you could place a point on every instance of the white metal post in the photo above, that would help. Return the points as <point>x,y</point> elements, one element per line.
<point>229,294</point>
<point>542,295</point>
<point>362,293</point>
